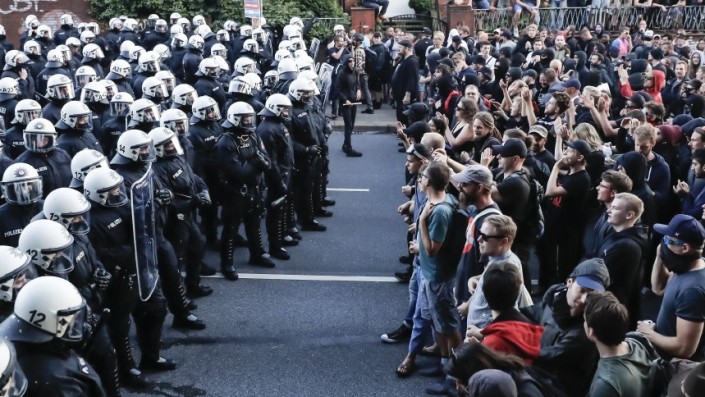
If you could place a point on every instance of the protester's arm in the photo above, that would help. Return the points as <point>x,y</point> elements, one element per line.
<point>552,188</point>
<point>528,106</point>
<point>430,246</point>
<point>659,275</point>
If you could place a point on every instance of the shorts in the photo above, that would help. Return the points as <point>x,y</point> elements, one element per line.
<point>518,8</point>
<point>438,304</point>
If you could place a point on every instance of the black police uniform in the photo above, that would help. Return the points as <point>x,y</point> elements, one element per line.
<point>176,62</point>
<point>112,129</point>
<point>203,135</point>
<point>43,78</point>
<point>151,38</point>
<point>207,85</point>
<point>52,110</point>
<point>53,166</point>
<point>122,84</point>
<point>64,32</point>
<point>73,140</point>
<point>137,81</point>
<point>248,99</point>
<point>112,37</point>
<point>323,130</point>
<point>127,34</point>
<point>27,86</point>
<point>14,141</point>
<point>14,218</point>
<point>7,110</point>
<point>192,59</point>
<point>35,65</point>
<point>95,64</point>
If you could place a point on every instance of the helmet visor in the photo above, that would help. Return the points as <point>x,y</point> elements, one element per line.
<point>25,116</point>
<point>82,80</point>
<point>40,143</point>
<point>114,196</point>
<point>146,152</point>
<point>65,91</point>
<point>70,324</point>
<point>22,192</point>
<point>77,223</point>
<point>15,281</point>
<point>81,174</point>
<point>119,108</point>
<point>188,98</point>
<point>16,384</point>
<point>170,83</point>
<point>150,114</point>
<point>211,113</point>
<point>178,126</point>
<point>57,262</point>
<point>170,148</point>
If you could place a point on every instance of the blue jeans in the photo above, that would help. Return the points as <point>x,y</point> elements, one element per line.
<point>422,327</point>
<point>482,4</point>
<point>380,6</point>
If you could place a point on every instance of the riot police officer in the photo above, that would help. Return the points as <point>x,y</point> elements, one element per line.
<point>9,91</point>
<point>192,58</point>
<point>119,109</point>
<point>121,74</point>
<point>144,115</point>
<point>84,162</point>
<point>240,90</point>
<point>288,71</point>
<point>52,163</point>
<point>22,189</point>
<point>60,91</point>
<point>155,90</point>
<point>16,270</point>
<point>25,111</point>
<point>95,96</point>
<point>16,67</point>
<point>182,98</point>
<point>190,192</point>
<point>75,127</point>
<point>56,64</point>
<point>48,321</point>
<point>207,83</point>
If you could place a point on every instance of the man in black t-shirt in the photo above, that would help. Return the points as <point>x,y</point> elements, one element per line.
<point>564,211</point>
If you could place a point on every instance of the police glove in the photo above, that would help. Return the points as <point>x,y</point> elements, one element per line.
<point>204,198</point>
<point>259,163</point>
<point>314,150</point>
<point>102,279</point>
<point>163,196</point>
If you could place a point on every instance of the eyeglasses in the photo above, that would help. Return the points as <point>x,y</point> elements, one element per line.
<point>672,241</point>
<point>489,236</point>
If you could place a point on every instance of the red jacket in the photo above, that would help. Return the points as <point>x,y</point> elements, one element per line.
<point>654,90</point>
<point>514,335</point>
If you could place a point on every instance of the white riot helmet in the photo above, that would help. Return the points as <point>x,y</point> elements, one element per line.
<point>241,115</point>
<point>9,88</point>
<point>65,52</point>
<point>203,30</point>
<point>169,80</point>
<point>66,19</point>
<point>259,35</point>
<point>94,92</point>
<point>244,65</point>
<point>304,63</point>
<point>301,90</point>
<point>240,86</point>
<point>84,162</point>
<point>47,308</point>
<point>282,54</point>
<point>185,24</point>
<point>166,142</point>
<point>251,45</point>
<point>59,87</point>
<point>149,62</point>
<point>174,17</point>
<point>26,110</point>
<point>93,51</point>
<point>21,184</point>
<point>154,89</point>
<point>152,19</point>
<point>271,78</point>
<point>222,35</point>
<point>161,26</point>
<point>163,51</point>
<point>198,20</point>
<point>254,80</point>
<point>110,88</point>
<point>291,31</point>
<point>115,23</point>
<point>287,69</point>
<point>2,30</point>
<point>69,208</point>
<point>16,270</point>
<point>184,95</point>
<point>136,52</point>
<point>208,67</point>
<point>175,120</point>
<point>87,37</point>
<point>44,31</point>
<point>32,47</point>
<point>300,54</point>
<point>296,43</point>
<point>134,145</point>
<point>39,136</point>
<point>222,64</point>
<point>130,24</point>
<point>105,187</point>
<point>77,115</point>
<point>82,26</point>
<point>55,58</point>
<point>72,42</point>
<point>14,58</point>
<point>120,104</point>
<point>246,30</point>
<point>311,75</point>
<point>144,111</point>
<point>49,246</point>
<point>277,105</point>
<point>196,41</point>
<point>176,29</point>
<point>125,48</point>
<point>284,45</point>
<point>84,75</point>
<point>205,108</point>
<point>296,21</point>
<point>339,30</point>
<point>179,40</point>
<point>219,49</point>
<point>93,27</point>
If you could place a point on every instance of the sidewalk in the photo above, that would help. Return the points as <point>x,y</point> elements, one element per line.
<point>382,121</point>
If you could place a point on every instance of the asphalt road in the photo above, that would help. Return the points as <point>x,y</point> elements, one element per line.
<point>309,338</point>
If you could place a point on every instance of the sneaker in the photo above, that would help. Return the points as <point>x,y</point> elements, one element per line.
<point>401,334</point>
<point>403,277</point>
<point>368,111</point>
<point>352,153</point>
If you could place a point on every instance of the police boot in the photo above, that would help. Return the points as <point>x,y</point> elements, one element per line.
<point>289,228</point>
<point>188,322</point>
<point>275,224</point>
<point>227,266</point>
<point>309,223</point>
<point>130,376</point>
<point>258,255</point>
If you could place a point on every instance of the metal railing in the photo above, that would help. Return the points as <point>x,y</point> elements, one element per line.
<point>690,18</point>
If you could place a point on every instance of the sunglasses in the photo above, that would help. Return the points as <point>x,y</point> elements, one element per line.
<point>489,236</point>
<point>672,241</point>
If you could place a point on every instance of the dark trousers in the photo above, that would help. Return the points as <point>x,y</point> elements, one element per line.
<point>349,113</point>
<point>171,281</point>
<point>557,260</point>
<point>242,209</point>
<point>189,244</point>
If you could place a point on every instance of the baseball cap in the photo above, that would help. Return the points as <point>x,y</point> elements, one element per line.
<point>487,72</point>
<point>506,33</point>
<point>511,147</point>
<point>649,34</point>
<point>684,228</point>
<point>637,100</point>
<point>474,173</point>
<point>419,150</point>
<point>457,39</point>
<point>687,383</point>
<point>573,83</point>
<point>406,43</point>
<point>592,274</point>
<point>531,73</point>
<point>581,146</point>
<point>416,108</point>
<point>515,73</point>
<point>427,31</point>
<point>538,130</point>
<point>478,59</point>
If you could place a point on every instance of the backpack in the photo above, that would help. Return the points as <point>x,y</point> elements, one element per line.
<point>454,242</point>
<point>370,61</point>
<point>534,219</point>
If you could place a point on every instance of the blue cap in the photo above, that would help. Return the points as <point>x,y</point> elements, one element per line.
<point>684,228</point>
<point>592,274</point>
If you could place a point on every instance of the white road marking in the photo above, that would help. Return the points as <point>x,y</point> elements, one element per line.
<point>311,277</point>
<point>340,189</point>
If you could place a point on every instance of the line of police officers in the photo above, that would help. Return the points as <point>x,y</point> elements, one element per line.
<point>79,141</point>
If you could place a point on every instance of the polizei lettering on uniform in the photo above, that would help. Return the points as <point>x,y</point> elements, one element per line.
<point>13,232</point>
<point>115,223</point>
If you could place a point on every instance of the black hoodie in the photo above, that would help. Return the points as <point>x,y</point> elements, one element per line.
<point>635,167</point>
<point>581,68</point>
